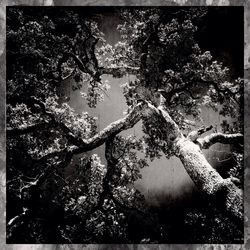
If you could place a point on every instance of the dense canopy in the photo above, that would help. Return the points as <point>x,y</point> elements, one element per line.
<point>174,79</point>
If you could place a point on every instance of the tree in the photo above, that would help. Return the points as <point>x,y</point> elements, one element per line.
<point>174,79</point>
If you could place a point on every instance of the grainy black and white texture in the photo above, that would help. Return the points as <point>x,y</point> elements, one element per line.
<point>144,246</point>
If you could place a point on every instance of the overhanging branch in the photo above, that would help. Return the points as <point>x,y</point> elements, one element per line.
<point>81,145</point>
<point>211,139</point>
<point>112,129</point>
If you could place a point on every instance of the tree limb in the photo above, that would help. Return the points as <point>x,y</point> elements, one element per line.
<point>84,145</point>
<point>211,139</point>
<point>112,129</point>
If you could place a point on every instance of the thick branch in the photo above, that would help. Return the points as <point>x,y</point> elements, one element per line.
<point>82,145</point>
<point>113,129</point>
<point>209,140</point>
<point>97,140</point>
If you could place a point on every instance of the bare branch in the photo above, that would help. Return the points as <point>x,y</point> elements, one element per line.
<point>209,140</point>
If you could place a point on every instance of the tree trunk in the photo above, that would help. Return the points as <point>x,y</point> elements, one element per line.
<point>223,191</point>
<point>208,180</point>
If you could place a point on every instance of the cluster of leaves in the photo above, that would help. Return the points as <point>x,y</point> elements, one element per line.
<point>81,193</point>
<point>41,143</point>
<point>119,55</point>
<point>128,165</point>
<point>40,48</point>
<point>237,171</point>
<point>86,218</point>
<point>209,225</point>
<point>96,208</point>
<point>21,116</point>
<point>155,141</point>
<point>81,125</point>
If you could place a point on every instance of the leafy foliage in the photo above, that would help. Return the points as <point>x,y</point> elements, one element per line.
<point>55,195</point>
<point>209,225</point>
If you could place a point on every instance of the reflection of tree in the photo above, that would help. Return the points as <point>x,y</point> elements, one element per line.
<point>174,79</point>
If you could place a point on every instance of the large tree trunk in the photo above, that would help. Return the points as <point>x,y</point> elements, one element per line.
<point>223,191</point>
<point>208,180</point>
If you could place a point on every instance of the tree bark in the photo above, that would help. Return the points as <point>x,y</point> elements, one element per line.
<point>211,139</point>
<point>223,191</point>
